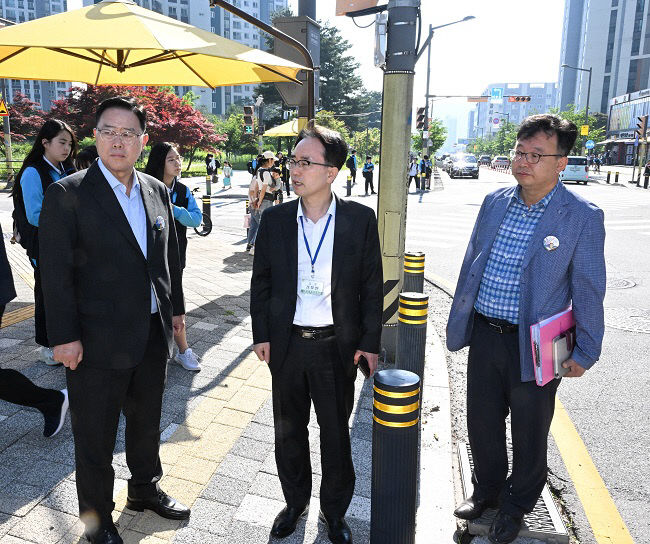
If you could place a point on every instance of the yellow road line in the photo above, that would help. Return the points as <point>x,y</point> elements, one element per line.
<point>603,516</point>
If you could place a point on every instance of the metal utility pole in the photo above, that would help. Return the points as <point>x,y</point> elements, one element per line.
<point>394,151</point>
<point>425,141</point>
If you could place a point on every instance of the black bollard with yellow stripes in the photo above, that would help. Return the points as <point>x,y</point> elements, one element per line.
<point>395,438</point>
<point>412,332</point>
<point>414,272</point>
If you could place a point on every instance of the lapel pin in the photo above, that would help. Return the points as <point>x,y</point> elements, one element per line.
<point>551,243</point>
<point>159,224</point>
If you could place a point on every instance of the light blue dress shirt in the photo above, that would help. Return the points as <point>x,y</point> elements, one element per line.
<point>133,209</point>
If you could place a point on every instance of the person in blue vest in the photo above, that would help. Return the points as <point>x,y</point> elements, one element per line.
<point>50,159</point>
<point>165,164</point>
<point>426,168</point>
<point>368,169</point>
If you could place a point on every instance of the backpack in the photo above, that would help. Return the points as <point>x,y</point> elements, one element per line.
<point>249,167</point>
<point>350,162</point>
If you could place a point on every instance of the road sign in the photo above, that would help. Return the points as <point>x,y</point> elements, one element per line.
<point>584,130</point>
<point>425,134</point>
<point>477,98</point>
<point>4,112</point>
<point>636,141</point>
<point>496,120</point>
<point>496,95</point>
<point>589,144</point>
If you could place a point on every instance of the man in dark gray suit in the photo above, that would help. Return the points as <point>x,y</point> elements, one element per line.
<point>113,296</point>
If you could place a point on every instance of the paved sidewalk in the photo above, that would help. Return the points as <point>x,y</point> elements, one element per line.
<point>217,431</point>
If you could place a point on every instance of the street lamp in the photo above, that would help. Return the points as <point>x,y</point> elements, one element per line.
<point>588,87</point>
<point>427,44</point>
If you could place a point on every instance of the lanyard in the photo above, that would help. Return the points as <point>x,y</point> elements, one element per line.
<point>313,259</point>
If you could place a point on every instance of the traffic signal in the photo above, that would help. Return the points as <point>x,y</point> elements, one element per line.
<point>248,119</point>
<point>419,119</point>
<point>519,99</point>
<point>642,126</point>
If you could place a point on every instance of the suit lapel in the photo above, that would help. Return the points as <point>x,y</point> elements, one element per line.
<point>290,229</point>
<point>547,224</point>
<point>103,193</point>
<point>149,209</point>
<point>494,220</point>
<point>341,233</point>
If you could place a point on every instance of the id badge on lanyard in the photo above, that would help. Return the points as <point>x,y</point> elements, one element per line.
<point>311,286</point>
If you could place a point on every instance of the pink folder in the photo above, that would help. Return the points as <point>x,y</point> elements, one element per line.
<point>541,339</point>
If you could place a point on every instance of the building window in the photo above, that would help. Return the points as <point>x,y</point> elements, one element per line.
<point>172,11</point>
<point>638,26</point>
<point>246,36</point>
<point>236,35</point>
<point>638,75</point>
<point>605,98</point>
<point>237,88</point>
<point>236,24</point>
<point>226,33</point>
<point>609,54</point>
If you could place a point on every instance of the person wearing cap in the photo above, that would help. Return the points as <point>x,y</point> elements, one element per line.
<point>261,196</point>
<point>316,307</point>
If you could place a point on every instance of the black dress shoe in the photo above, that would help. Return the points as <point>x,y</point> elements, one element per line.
<point>105,536</point>
<point>286,521</point>
<point>504,528</point>
<point>338,530</point>
<point>472,508</point>
<point>162,504</point>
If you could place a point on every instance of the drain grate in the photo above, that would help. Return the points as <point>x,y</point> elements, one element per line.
<point>543,523</point>
<point>628,319</point>
<point>620,283</point>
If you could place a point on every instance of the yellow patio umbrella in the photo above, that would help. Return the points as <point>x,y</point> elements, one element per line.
<point>117,42</point>
<point>290,128</point>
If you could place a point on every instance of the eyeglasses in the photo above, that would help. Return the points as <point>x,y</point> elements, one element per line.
<point>304,163</point>
<point>128,136</point>
<point>531,158</point>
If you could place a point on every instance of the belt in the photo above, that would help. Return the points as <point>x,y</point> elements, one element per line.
<point>270,197</point>
<point>314,333</point>
<point>499,325</point>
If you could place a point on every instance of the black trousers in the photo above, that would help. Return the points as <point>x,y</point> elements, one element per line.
<point>312,372</point>
<point>353,173</point>
<point>40,334</point>
<point>417,181</point>
<point>18,389</point>
<point>368,177</point>
<point>494,388</point>
<point>97,396</point>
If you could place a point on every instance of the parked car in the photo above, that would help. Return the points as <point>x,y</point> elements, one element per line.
<point>577,170</point>
<point>500,161</point>
<point>464,166</point>
<point>484,160</point>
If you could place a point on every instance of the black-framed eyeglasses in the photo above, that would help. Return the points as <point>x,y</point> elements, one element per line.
<point>304,163</point>
<point>531,158</point>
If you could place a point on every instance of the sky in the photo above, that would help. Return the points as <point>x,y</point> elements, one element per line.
<point>508,41</point>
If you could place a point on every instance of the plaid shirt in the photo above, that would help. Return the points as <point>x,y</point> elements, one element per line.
<point>498,294</point>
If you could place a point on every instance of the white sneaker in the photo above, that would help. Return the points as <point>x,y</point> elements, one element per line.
<point>47,356</point>
<point>188,360</point>
<point>252,251</point>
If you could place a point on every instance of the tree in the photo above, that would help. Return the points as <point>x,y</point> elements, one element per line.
<point>437,135</point>
<point>366,142</point>
<point>327,119</point>
<point>25,117</point>
<point>597,125</point>
<point>169,118</point>
<point>236,142</point>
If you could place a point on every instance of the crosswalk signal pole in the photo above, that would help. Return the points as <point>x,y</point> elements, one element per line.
<point>395,145</point>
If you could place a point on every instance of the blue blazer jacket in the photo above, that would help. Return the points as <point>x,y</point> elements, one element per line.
<point>550,280</point>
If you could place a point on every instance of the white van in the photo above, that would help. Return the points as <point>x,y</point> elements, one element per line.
<point>576,170</point>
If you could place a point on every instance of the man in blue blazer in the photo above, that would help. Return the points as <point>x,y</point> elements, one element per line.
<point>536,248</point>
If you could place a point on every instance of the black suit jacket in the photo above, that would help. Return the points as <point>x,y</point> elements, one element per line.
<point>96,281</point>
<point>357,295</point>
<point>7,290</point>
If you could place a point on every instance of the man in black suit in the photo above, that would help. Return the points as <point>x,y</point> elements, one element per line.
<point>313,329</point>
<point>113,295</point>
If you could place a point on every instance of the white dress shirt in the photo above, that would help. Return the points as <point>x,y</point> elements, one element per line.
<point>315,310</point>
<point>133,209</point>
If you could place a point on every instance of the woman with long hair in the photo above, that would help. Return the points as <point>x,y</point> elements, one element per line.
<point>50,159</point>
<point>165,165</point>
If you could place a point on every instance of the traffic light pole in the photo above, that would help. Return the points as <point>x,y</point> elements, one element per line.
<point>394,150</point>
<point>425,141</point>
